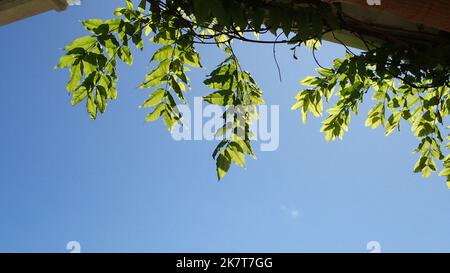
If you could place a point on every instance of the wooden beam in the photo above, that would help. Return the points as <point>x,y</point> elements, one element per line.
<point>435,13</point>
<point>14,10</point>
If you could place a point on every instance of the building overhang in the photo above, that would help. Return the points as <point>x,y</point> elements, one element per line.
<point>14,10</point>
<point>392,21</point>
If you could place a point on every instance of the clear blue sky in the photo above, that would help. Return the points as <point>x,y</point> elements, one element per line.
<point>120,184</point>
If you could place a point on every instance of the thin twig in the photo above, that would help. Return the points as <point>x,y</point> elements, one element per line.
<point>275,57</point>
<point>314,55</point>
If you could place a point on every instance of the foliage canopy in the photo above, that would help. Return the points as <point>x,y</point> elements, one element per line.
<point>409,81</point>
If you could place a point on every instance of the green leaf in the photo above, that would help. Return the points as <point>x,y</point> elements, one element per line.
<point>148,30</point>
<point>236,154</point>
<point>393,122</point>
<point>246,147</point>
<point>101,98</point>
<point>92,24</point>
<point>156,113</point>
<point>222,78</point>
<point>155,98</point>
<point>201,10</point>
<point>79,95</point>
<point>112,46</point>
<point>325,72</point>
<point>445,172</point>
<point>129,4</point>
<point>114,24</point>
<point>192,59</point>
<point>164,37</point>
<point>85,43</point>
<point>222,97</point>
<point>219,147</point>
<point>154,78</point>
<point>218,11</point>
<point>142,5</point>
<point>311,81</point>
<point>255,98</point>
<point>257,19</point>
<point>176,87</point>
<point>75,77</point>
<point>222,131</point>
<point>376,116</point>
<point>420,164</point>
<point>426,172</point>
<point>286,24</point>
<point>125,55</point>
<point>313,44</point>
<point>222,165</point>
<point>169,120</point>
<point>112,93</point>
<point>163,53</point>
<point>67,60</point>
<point>91,106</point>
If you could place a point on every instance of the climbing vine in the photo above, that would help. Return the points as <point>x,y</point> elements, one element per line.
<point>408,79</point>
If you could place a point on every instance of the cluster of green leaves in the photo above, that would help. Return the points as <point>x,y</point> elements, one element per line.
<point>305,18</point>
<point>174,57</point>
<point>177,25</point>
<point>410,82</point>
<point>424,108</point>
<point>92,59</point>
<point>238,92</point>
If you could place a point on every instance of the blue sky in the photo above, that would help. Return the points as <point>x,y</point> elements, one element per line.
<point>120,184</point>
